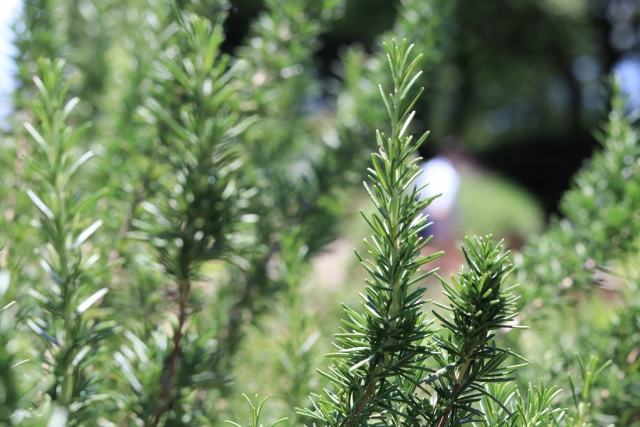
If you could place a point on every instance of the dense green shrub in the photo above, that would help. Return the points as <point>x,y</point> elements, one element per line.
<point>141,253</point>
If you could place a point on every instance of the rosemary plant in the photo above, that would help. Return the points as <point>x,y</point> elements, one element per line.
<point>534,409</point>
<point>36,37</point>
<point>384,366</point>
<point>615,391</point>
<point>427,23</point>
<point>182,163</point>
<point>256,411</point>
<point>386,341</point>
<point>468,358</point>
<point>71,334</point>
<point>131,163</point>
<point>600,216</point>
<point>284,146</point>
<point>384,345</point>
<point>601,226</point>
<point>195,217</point>
<point>298,357</point>
<point>300,169</point>
<point>10,399</point>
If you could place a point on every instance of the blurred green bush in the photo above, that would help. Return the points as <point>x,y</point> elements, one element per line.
<point>165,258</point>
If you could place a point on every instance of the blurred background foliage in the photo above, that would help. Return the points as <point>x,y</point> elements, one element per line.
<point>517,82</point>
<point>517,87</point>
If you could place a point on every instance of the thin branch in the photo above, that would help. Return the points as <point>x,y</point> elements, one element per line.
<point>140,196</point>
<point>167,380</point>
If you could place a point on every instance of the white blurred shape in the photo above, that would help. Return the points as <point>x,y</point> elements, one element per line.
<point>443,178</point>
<point>627,73</point>
<point>9,10</point>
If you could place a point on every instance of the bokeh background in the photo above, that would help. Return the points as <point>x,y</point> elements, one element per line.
<point>520,86</point>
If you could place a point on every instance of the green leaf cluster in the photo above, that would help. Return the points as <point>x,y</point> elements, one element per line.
<point>226,176</point>
<point>71,333</point>
<point>391,368</point>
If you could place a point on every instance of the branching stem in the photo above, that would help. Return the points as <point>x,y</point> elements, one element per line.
<point>394,224</point>
<point>167,379</point>
<point>457,386</point>
<point>367,394</point>
<point>375,378</point>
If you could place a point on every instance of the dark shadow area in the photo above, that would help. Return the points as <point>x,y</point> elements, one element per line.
<point>543,165</point>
